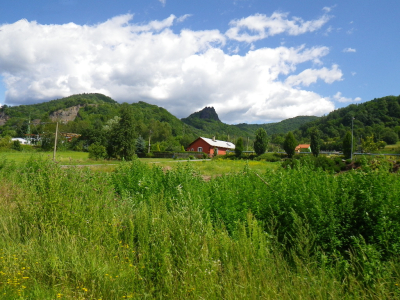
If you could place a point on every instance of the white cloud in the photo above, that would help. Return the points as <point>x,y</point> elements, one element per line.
<point>349,50</point>
<point>163,2</point>
<point>353,73</point>
<point>310,76</point>
<point>182,72</point>
<point>339,98</point>
<point>259,26</point>
<point>328,8</point>
<point>183,18</point>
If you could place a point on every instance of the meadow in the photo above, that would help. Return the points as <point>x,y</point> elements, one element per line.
<point>145,231</point>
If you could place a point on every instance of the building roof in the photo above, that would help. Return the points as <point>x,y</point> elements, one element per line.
<point>217,143</point>
<point>302,146</point>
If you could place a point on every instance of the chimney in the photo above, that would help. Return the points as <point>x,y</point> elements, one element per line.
<point>213,139</point>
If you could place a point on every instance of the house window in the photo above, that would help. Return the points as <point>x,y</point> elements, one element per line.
<point>200,149</point>
<point>192,150</point>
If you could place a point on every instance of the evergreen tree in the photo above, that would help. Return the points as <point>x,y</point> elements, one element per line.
<point>122,138</point>
<point>140,145</point>
<point>289,145</point>
<point>239,147</point>
<point>347,145</point>
<point>261,141</point>
<point>315,142</point>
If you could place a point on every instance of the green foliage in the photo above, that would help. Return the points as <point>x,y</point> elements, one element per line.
<point>271,157</point>
<point>97,151</point>
<point>143,232</point>
<point>289,145</point>
<point>121,143</point>
<point>140,146</point>
<point>330,164</point>
<point>347,145</point>
<point>239,147</point>
<point>368,144</point>
<point>5,143</point>
<point>315,142</point>
<point>261,141</point>
<point>17,146</point>
<point>390,137</point>
<point>377,117</point>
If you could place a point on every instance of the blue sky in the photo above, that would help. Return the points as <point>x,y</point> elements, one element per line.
<point>255,61</point>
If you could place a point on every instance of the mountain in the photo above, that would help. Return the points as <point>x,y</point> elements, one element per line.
<point>207,113</point>
<point>92,114</point>
<point>208,121</point>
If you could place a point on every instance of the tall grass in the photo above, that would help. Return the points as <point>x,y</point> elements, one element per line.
<point>143,233</point>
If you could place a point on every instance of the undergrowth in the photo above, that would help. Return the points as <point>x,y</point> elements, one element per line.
<point>144,233</point>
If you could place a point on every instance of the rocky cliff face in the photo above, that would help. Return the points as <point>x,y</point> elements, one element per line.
<point>65,115</point>
<point>3,118</point>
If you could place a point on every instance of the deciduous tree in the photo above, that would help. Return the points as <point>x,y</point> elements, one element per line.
<point>122,139</point>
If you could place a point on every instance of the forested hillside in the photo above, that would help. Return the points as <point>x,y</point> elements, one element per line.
<point>378,119</point>
<point>207,120</point>
<point>94,115</point>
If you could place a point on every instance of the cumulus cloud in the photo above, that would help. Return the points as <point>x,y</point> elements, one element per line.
<point>259,26</point>
<point>339,98</point>
<point>310,76</point>
<point>182,72</point>
<point>349,50</point>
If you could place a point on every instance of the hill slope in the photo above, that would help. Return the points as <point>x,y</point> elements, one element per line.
<point>208,121</point>
<point>379,117</point>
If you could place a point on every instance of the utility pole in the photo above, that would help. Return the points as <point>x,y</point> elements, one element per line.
<point>55,144</point>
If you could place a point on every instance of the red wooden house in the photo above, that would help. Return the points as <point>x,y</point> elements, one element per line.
<point>210,146</point>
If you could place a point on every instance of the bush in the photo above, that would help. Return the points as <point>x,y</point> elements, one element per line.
<point>331,164</point>
<point>97,151</point>
<point>271,157</point>
<point>17,145</point>
<point>5,142</point>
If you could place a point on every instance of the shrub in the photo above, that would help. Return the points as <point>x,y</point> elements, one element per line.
<point>271,157</point>
<point>17,145</point>
<point>97,151</point>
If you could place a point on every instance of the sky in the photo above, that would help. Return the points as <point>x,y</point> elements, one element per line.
<point>254,61</point>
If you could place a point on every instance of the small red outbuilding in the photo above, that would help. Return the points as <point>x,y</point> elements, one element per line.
<point>210,146</point>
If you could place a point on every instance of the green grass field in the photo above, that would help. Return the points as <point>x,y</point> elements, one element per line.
<point>145,231</point>
<point>207,167</point>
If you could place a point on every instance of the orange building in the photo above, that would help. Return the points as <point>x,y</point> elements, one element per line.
<point>210,146</point>
<point>302,146</point>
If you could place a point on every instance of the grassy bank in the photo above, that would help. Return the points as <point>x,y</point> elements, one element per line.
<point>145,233</point>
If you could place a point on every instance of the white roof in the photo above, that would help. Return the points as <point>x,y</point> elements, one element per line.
<point>217,143</point>
<point>21,140</point>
